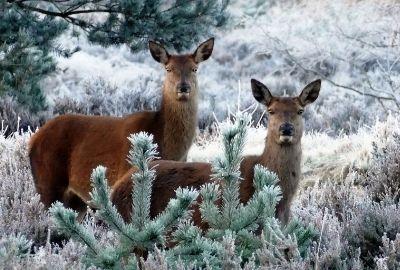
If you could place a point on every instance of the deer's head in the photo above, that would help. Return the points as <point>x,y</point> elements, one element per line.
<point>285,121</point>
<point>181,78</point>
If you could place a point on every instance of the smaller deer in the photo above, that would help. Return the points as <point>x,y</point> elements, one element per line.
<point>282,155</point>
<point>67,148</point>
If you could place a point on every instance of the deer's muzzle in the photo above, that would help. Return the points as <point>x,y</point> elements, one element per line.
<point>183,91</point>
<point>286,132</point>
<point>286,129</point>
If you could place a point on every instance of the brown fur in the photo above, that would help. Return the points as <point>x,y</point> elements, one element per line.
<point>66,149</point>
<point>283,158</point>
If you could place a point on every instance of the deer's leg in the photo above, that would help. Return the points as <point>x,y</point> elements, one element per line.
<point>283,211</point>
<point>50,177</point>
<point>73,201</point>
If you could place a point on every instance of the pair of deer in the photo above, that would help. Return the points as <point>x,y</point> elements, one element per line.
<point>66,149</point>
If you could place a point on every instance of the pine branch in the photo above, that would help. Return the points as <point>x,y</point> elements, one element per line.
<point>64,14</point>
<point>66,221</point>
<point>101,199</point>
<point>210,212</point>
<point>143,151</point>
<point>177,208</point>
<point>264,177</point>
<point>134,22</point>
<point>227,168</point>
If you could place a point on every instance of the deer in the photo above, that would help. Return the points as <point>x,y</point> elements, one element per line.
<point>282,155</point>
<point>67,148</point>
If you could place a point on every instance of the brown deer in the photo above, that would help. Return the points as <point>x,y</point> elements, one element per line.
<point>67,148</point>
<point>282,155</point>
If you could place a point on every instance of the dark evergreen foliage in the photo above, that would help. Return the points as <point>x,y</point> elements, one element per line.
<point>179,23</point>
<point>26,41</point>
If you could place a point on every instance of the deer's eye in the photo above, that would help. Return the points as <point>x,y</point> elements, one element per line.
<point>271,112</point>
<point>194,69</point>
<point>300,112</point>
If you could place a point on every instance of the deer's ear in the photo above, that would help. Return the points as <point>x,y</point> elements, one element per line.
<point>204,51</point>
<point>261,93</point>
<point>310,93</point>
<point>158,52</point>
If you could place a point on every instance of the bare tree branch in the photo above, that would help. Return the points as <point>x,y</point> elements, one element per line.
<point>333,82</point>
<point>283,48</point>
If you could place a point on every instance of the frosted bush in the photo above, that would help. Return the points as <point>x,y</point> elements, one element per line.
<point>67,105</point>
<point>383,174</point>
<point>103,98</point>
<point>390,258</point>
<point>352,226</point>
<point>369,224</point>
<point>48,257</point>
<point>20,208</point>
<point>15,117</point>
<point>335,114</point>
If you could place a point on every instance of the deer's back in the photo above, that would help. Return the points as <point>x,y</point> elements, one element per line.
<point>170,175</point>
<point>79,143</point>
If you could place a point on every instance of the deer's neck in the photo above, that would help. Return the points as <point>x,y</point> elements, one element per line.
<point>285,161</point>
<point>281,158</point>
<point>179,122</point>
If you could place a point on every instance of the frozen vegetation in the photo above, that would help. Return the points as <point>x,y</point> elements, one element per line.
<point>351,150</point>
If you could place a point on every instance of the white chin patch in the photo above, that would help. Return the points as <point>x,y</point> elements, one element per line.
<point>285,139</point>
<point>183,96</point>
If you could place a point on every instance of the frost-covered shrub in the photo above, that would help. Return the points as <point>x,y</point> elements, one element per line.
<point>66,105</point>
<point>20,208</point>
<point>15,117</point>
<point>390,258</point>
<point>104,98</point>
<point>333,198</point>
<point>328,215</point>
<point>48,257</point>
<point>383,175</point>
<point>339,113</point>
<point>352,226</point>
<point>370,222</point>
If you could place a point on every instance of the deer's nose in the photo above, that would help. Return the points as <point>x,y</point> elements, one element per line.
<point>183,88</point>
<point>286,129</point>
